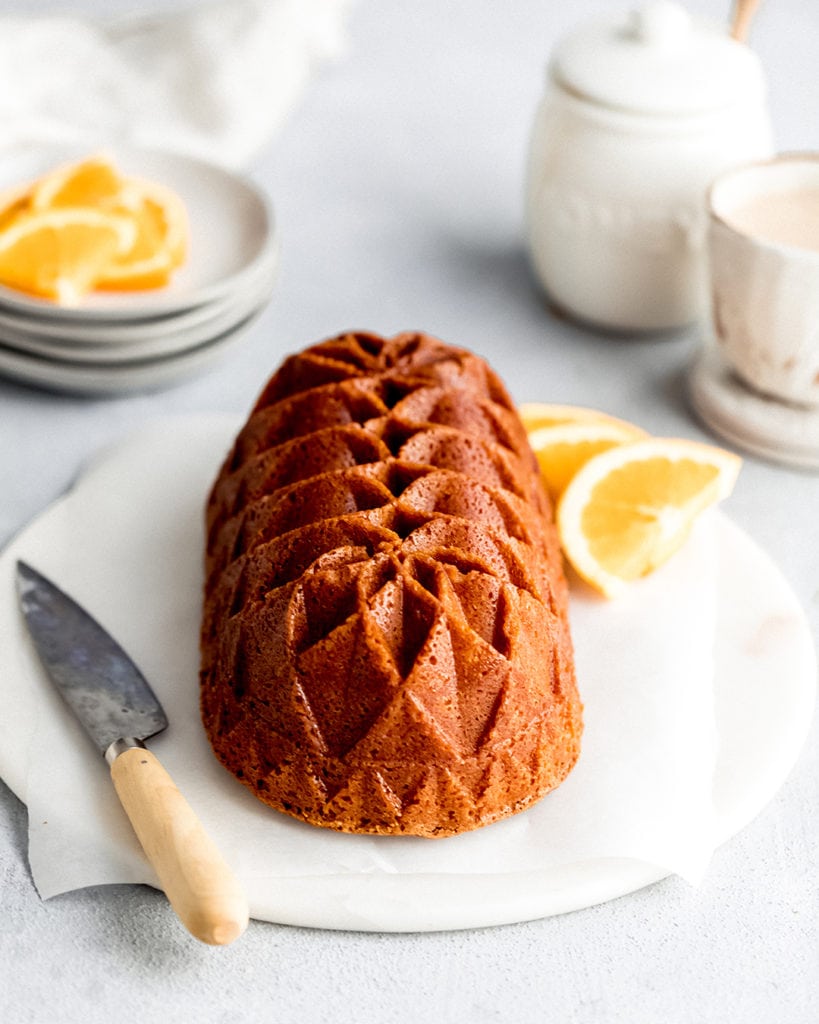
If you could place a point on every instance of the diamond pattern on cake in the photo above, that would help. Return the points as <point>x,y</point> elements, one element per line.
<point>385,644</point>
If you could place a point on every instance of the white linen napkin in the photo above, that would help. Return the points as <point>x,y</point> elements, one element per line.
<point>215,81</point>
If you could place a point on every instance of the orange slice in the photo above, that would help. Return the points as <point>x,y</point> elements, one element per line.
<point>84,226</point>
<point>161,240</point>
<point>543,414</point>
<point>58,254</point>
<point>13,202</point>
<point>92,182</point>
<point>10,213</point>
<point>630,508</point>
<point>563,446</point>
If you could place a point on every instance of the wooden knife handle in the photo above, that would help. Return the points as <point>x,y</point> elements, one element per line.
<point>201,887</point>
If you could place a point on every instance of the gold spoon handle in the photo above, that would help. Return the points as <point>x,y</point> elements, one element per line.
<point>744,11</point>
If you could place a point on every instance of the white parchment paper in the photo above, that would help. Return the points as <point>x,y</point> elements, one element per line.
<point>127,543</point>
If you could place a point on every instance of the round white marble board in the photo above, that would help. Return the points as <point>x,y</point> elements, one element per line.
<point>764,696</point>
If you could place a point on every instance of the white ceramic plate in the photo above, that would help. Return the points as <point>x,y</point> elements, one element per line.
<point>231,232</point>
<point>17,327</point>
<point>115,378</point>
<point>762,637</point>
<point>178,336</point>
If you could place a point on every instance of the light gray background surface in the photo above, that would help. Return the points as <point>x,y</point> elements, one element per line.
<point>397,184</point>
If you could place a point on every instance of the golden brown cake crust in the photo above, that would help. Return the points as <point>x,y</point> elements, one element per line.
<point>385,643</point>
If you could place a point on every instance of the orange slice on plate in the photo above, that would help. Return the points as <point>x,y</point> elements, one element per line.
<point>85,226</point>
<point>565,438</point>
<point>536,415</point>
<point>161,240</point>
<point>90,182</point>
<point>59,253</point>
<point>628,509</point>
<point>13,202</point>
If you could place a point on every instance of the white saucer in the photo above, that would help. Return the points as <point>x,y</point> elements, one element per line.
<point>761,425</point>
<point>98,535</point>
<point>231,233</point>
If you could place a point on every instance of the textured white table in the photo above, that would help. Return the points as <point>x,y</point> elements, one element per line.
<point>397,186</point>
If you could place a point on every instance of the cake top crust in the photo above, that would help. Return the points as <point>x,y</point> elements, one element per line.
<point>384,592</point>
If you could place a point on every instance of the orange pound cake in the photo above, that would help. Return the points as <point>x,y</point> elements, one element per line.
<point>385,644</point>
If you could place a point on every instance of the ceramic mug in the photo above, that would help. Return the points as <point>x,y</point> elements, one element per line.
<point>764,267</point>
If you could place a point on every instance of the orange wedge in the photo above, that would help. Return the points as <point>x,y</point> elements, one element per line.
<point>545,414</point>
<point>628,509</point>
<point>160,245</point>
<point>85,226</point>
<point>13,201</point>
<point>59,253</point>
<point>566,438</point>
<point>92,182</point>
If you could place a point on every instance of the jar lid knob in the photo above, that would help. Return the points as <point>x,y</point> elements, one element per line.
<point>660,23</point>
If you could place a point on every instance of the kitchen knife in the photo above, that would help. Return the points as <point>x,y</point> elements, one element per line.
<point>118,710</point>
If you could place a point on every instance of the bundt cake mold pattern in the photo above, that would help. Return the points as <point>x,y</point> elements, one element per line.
<point>385,644</point>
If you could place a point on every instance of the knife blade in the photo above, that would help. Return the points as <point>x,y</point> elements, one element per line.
<point>119,711</point>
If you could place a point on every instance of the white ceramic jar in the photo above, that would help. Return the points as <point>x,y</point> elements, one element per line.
<point>640,114</point>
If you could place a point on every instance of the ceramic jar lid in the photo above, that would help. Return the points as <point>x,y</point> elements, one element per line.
<point>656,59</point>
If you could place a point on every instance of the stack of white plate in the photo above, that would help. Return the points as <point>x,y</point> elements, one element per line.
<point>127,341</point>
